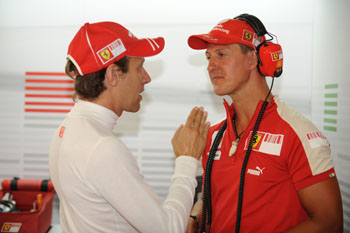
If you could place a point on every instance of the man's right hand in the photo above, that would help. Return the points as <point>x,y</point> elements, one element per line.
<point>192,226</point>
<point>190,139</point>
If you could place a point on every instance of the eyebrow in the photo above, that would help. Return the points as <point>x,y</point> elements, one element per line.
<point>216,50</point>
<point>221,49</point>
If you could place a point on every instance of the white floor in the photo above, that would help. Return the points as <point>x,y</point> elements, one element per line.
<point>55,222</point>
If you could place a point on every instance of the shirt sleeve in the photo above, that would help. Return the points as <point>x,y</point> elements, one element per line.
<point>310,159</point>
<point>114,173</point>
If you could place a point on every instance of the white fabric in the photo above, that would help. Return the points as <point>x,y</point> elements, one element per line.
<point>99,183</point>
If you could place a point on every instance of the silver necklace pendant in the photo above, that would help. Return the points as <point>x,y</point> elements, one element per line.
<point>233,147</point>
<point>238,137</point>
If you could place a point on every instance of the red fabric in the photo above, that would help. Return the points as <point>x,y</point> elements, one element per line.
<point>228,31</point>
<point>38,221</point>
<point>26,184</point>
<point>270,202</point>
<point>97,45</point>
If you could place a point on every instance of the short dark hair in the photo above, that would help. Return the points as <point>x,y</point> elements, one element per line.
<point>245,48</point>
<point>90,86</point>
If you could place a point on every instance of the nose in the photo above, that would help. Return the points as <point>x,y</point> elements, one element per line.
<point>145,76</point>
<point>212,65</point>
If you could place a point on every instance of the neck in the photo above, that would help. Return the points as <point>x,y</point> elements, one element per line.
<point>245,104</point>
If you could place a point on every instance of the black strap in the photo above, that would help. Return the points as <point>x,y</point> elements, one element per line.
<point>254,22</point>
<point>207,178</point>
<point>244,165</point>
<point>44,185</point>
<point>13,184</point>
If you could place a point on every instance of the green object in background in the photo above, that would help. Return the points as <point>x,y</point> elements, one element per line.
<point>331,105</point>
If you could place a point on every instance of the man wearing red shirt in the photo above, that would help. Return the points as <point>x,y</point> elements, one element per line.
<point>270,169</point>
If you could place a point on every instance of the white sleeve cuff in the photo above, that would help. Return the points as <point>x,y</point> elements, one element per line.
<point>185,166</point>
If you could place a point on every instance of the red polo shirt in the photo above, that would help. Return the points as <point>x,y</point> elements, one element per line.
<point>290,154</point>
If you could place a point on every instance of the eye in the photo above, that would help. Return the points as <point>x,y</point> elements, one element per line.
<point>220,54</point>
<point>140,66</point>
<point>207,55</point>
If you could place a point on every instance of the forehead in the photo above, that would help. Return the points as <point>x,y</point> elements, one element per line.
<point>216,47</point>
<point>136,61</point>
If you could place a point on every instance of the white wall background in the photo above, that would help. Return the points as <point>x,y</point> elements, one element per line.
<point>331,86</point>
<point>41,30</point>
<point>34,36</point>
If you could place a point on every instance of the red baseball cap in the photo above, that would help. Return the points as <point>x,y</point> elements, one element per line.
<point>97,45</point>
<point>229,31</point>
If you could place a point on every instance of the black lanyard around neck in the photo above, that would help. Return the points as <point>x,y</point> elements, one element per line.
<point>207,206</point>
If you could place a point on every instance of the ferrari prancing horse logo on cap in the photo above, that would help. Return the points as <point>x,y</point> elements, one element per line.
<point>111,51</point>
<point>247,35</point>
<point>106,54</point>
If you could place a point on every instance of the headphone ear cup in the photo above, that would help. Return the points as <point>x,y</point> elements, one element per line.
<point>270,59</point>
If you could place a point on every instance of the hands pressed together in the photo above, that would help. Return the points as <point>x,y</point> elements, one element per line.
<point>190,139</point>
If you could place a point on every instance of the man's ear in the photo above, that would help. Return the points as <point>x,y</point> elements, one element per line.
<point>253,59</point>
<point>114,74</point>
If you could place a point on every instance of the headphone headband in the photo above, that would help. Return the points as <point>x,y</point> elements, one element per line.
<point>254,22</point>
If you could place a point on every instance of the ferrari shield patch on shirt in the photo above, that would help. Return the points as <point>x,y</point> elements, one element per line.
<point>266,143</point>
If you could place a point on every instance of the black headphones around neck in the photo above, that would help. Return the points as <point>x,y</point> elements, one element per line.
<point>270,56</point>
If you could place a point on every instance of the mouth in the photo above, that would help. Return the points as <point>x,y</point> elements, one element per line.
<point>215,77</point>
<point>140,93</point>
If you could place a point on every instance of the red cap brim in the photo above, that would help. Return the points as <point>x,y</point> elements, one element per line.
<point>201,41</point>
<point>147,47</point>
<point>230,31</point>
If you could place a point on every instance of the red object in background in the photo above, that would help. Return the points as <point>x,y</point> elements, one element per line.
<point>24,219</point>
<point>28,185</point>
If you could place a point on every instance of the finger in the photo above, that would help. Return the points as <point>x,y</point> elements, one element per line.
<point>191,226</point>
<point>202,124</point>
<point>206,129</point>
<point>198,118</point>
<point>191,117</point>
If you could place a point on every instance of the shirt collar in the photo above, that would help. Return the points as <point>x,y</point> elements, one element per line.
<point>103,115</point>
<point>230,111</point>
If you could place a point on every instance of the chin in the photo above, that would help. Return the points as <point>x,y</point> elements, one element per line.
<point>219,92</point>
<point>135,108</point>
